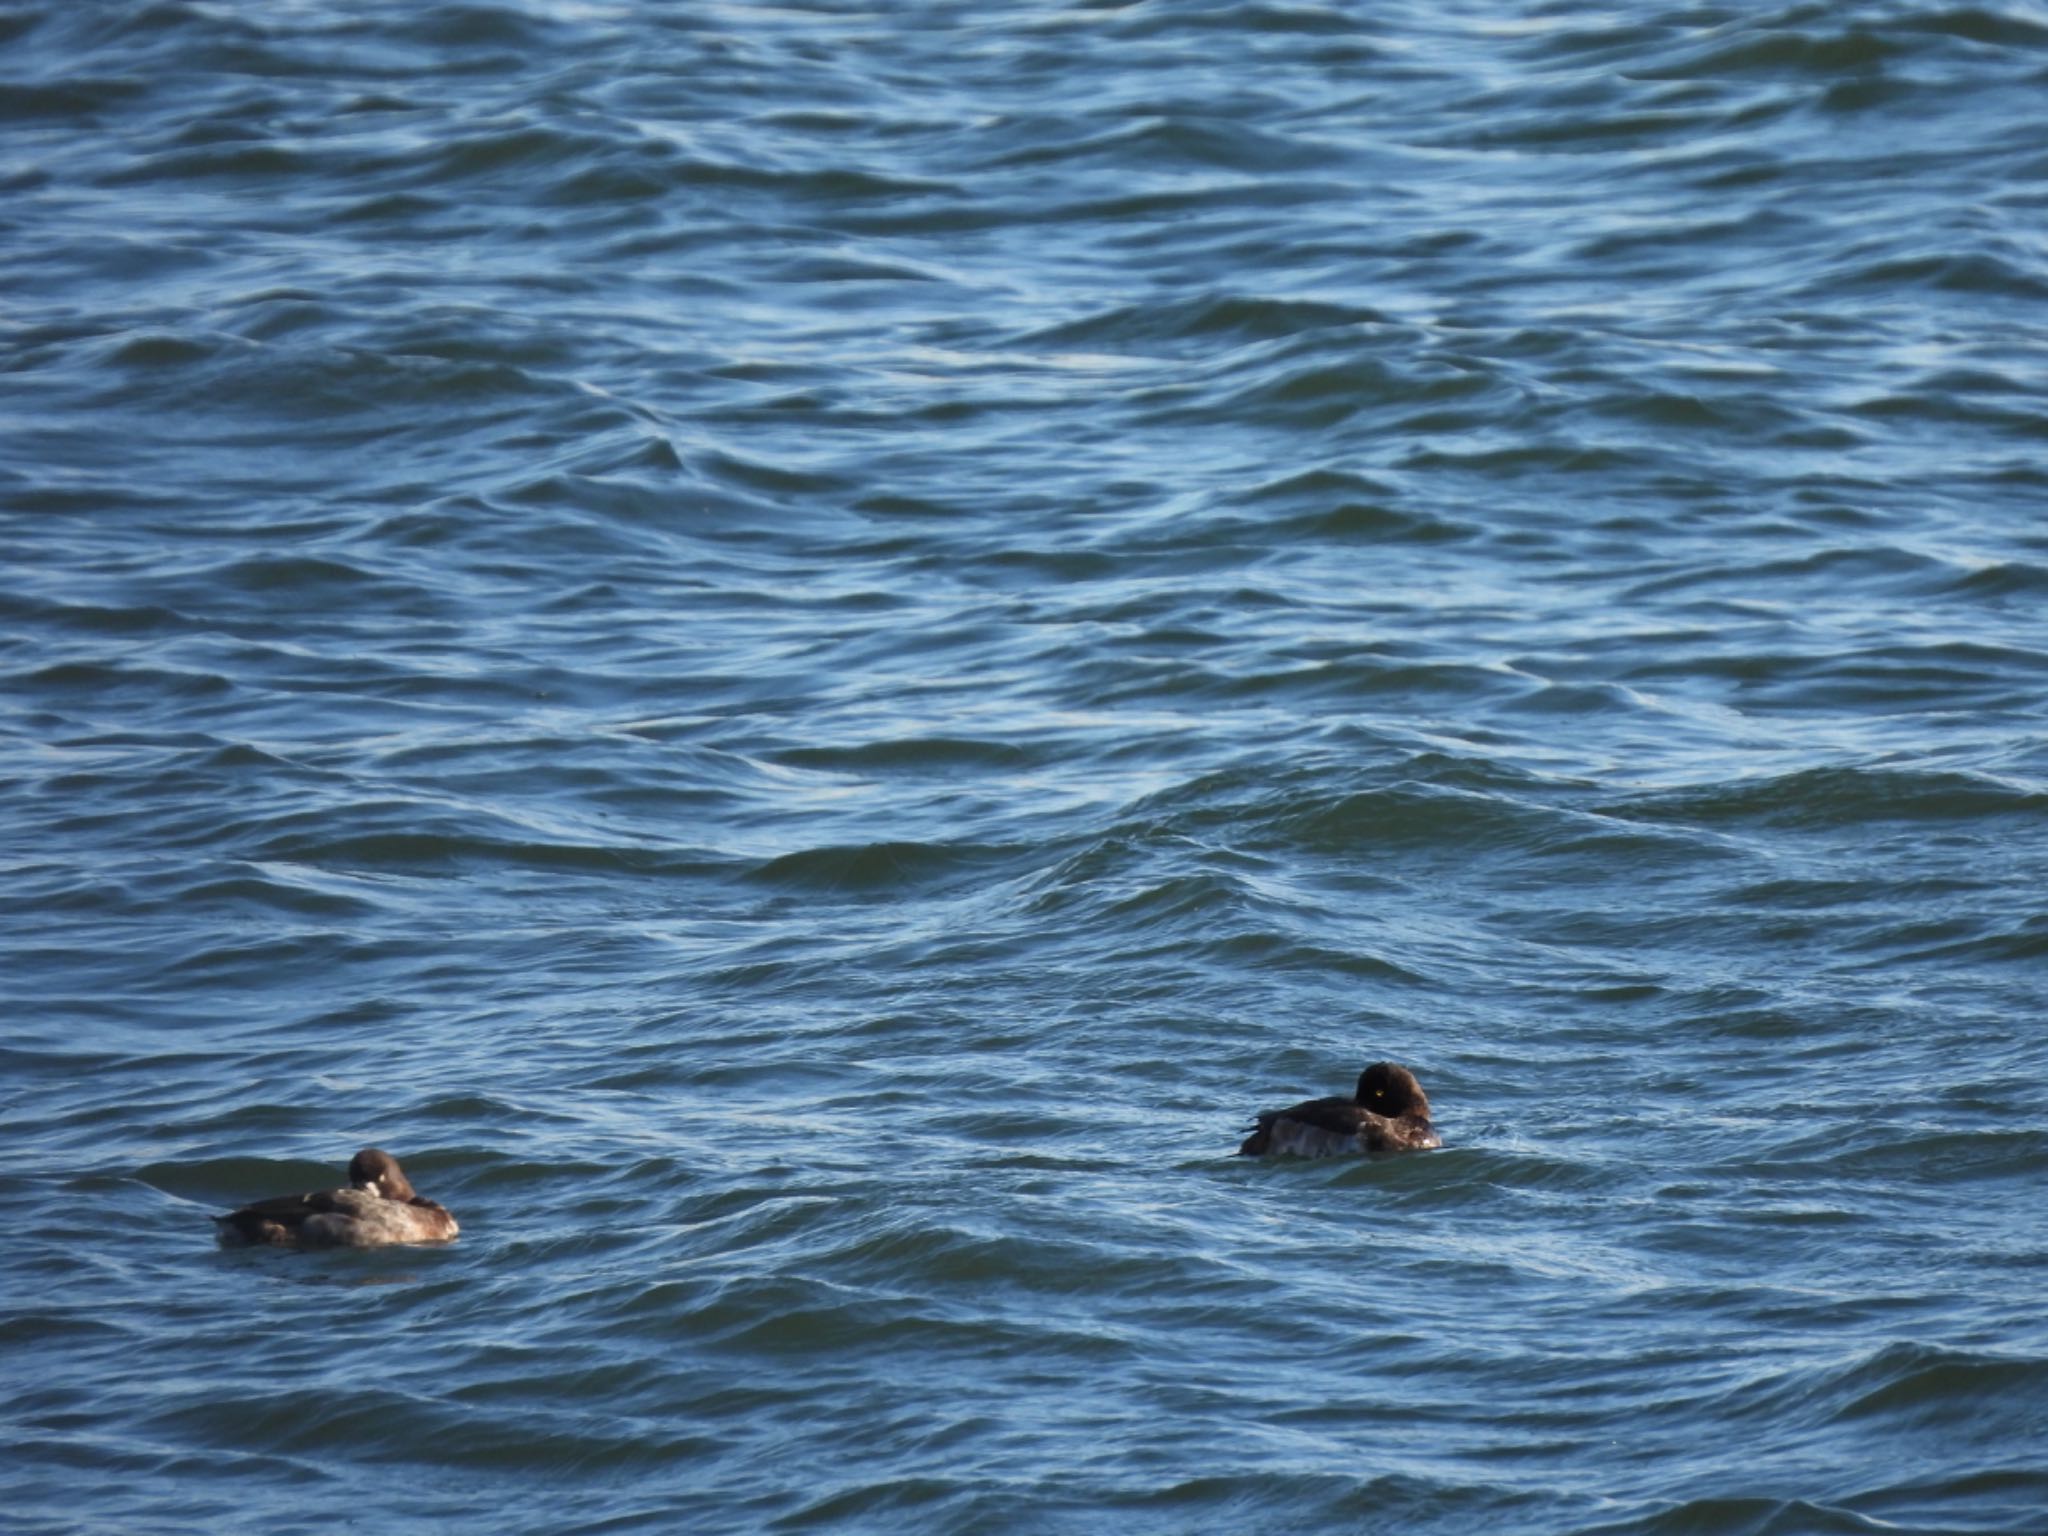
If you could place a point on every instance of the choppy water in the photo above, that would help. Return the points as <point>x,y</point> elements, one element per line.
<point>802,650</point>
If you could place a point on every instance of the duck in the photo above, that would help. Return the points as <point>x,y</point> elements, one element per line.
<point>1389,1113</point>
<point>378,1208</point>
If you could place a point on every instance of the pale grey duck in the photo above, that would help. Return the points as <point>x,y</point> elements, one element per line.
<point>378,1208</point>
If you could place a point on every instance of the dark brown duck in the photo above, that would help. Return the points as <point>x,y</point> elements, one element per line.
<point>1389,1113</point>
<point>378,1208</point>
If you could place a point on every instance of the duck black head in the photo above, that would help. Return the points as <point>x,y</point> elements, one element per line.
<point>379,1173</point>
<point>1388,1089</point>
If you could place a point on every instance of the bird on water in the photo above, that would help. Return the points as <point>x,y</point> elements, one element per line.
<point>1389,1113</point>
<point>378,1208</point>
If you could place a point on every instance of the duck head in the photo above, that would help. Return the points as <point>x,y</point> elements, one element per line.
<point>379,1173</point>
<point>1389,1089</point>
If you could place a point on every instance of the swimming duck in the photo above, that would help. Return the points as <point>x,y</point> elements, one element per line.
<point>1389,1114</point>
<point>378,1207</point>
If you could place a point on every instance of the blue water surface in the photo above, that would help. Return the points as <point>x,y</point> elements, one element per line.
<point>802,649</point>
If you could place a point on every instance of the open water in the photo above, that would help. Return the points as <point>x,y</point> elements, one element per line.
<point>801,650</point>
